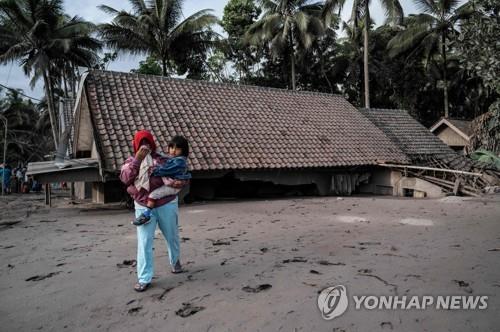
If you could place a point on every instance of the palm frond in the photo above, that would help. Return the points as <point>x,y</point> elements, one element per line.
<point>13,10</point>
<point>330,5</point>
<point>174,14</point>
<point>277,45</point>
<point>328,11</point>
<point>464,12</point>
<point>447,6</point>
<point>269,6</point>
<point>356,14</point>
<point>75,27</point>
<point>430,46</point>
<point>258,31</point>
<point>15,52</point>
<point>118,37</point>
<point>200,20</point>
<point>139,7</point>
<point>408,39</point>
<point>427,6</point>
<point>393,11</point>
<point>108,10</point>
<point>162,9</point>
<point>301,22</point>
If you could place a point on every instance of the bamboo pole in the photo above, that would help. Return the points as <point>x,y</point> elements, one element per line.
<point>431,169</point>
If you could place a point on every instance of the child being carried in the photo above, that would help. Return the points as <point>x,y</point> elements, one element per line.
<point>174,168</point>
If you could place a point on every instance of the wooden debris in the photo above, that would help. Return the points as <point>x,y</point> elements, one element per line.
<point>455,174</point>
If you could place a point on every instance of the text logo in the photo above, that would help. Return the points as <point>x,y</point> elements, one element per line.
<point>333,302</point>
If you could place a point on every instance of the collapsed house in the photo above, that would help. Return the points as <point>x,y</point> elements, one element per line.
<point>432,161</point>
<point>243,139</point>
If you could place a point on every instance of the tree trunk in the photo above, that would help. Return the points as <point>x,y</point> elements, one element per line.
<point>54,107</point>
<point>50,105</point>
<point>445,80</point>
<point>65,80</point>
<point>73,79</point>
<point>164,67</point>
<point>365,51</point>
<point>292,60</point>
<point>66,87</point>
<point>322,62</point>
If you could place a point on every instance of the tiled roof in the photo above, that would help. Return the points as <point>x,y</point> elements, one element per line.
<point>406,132</point>
<point>462,125</point>
<point>233,126</point>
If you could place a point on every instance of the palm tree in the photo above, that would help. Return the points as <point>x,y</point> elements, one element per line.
<point>27,137</point>
<point>361,12</point>
<point>427,34</point>
<point>38,35</point>
<point>350,61</point>
<point>288,27</point>
<point>156,29</point>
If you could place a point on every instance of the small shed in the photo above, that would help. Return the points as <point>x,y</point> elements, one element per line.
<point>454,133</point>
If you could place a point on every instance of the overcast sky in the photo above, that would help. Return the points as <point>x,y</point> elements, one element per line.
<point>11,75</point>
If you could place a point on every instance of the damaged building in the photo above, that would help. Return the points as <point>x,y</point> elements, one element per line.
<point>244,140</point>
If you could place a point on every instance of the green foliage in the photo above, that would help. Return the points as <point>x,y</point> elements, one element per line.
<point>150,66</point>
<point>477,50</point>
<point>106,60</point>
<point>322,67</point>
<point>486,130</point>
<point>217,68</point>
<point>239,15</point>
<point>478,43</point>
<point>486,157</point>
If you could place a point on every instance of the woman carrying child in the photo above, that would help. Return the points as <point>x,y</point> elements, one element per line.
<point>162,211</point>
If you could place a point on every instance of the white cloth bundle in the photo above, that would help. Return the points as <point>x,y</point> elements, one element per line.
<point>142,180</point>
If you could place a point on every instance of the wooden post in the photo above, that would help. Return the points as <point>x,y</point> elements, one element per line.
<point>456,186</point>
<point>48,198</point>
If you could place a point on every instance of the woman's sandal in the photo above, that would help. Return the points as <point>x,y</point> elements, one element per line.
<point>141,287</point>
<point>177,268</point>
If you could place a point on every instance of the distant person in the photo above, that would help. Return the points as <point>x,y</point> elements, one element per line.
<point>174,168</point>
<point>36,187</point>
<point>20,179</point>
<point>19,173</point>
<point>6,177</point>
<point>14,186</point>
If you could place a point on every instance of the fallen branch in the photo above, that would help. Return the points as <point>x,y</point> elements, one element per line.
<point>9,223</point>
